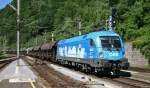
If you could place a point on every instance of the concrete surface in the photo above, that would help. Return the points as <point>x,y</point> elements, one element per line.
<point>88,80</point>
<point>21,76</point>
<point>12,71</point>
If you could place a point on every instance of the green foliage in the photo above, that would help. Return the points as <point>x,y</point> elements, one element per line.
<point>41,18</point>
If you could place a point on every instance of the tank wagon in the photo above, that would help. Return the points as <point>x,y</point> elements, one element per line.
<point>101,51</point>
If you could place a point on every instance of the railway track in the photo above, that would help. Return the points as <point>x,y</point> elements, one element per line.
<point>4,62</point>
<point>52,77</point>
<point>139,69</point>
<point>132,82</point>
<point>127,82</point>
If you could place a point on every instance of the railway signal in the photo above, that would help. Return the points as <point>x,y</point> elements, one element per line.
<point>111,20</point>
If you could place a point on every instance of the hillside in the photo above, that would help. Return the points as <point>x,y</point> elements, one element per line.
<point>41,18</point>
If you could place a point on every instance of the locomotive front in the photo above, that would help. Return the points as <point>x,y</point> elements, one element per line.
<point>112,53</point>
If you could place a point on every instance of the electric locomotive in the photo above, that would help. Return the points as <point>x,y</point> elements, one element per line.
<point>101,51</point>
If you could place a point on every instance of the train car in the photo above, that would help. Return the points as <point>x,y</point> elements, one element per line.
<point>29,51</point>
<point>97,52</point>
<point>36,51</point>
<point>23,51</point>
<point>47,51</point>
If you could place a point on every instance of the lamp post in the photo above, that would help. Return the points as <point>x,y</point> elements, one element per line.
<point>18,30</point>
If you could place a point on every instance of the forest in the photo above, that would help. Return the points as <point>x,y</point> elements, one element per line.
<point>42,18</point>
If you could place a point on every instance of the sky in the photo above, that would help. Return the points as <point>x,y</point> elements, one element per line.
<point>4,3</point>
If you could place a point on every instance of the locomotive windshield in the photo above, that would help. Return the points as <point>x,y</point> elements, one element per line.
<point>110,42</point>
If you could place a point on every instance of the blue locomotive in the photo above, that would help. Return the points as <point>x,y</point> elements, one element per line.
<point>101,51</point>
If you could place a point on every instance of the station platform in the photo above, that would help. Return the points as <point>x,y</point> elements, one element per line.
<point>18,76</point>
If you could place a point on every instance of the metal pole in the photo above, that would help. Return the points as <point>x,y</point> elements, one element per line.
<point>79,25</point>
<point>106,24</point>
<point>52,37</point>
<point>18,29</point>
<point>13,7</point>
<point>80,28</point>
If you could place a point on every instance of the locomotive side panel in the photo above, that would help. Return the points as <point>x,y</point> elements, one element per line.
<point>76,51</point>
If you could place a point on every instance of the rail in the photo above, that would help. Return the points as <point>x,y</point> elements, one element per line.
<point>132,82</point>
<point>4,62</point>
<point>140,69</point>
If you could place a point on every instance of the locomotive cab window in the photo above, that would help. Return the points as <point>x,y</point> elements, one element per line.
<point>110,42</point>
<point>92,43</point>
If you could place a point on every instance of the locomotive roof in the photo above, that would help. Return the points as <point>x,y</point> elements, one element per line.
<point>88,36</point>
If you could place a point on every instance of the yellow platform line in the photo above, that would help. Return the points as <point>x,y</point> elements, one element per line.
<point>32,84</point>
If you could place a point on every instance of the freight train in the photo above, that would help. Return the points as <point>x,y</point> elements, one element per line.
<point>96,52</point>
